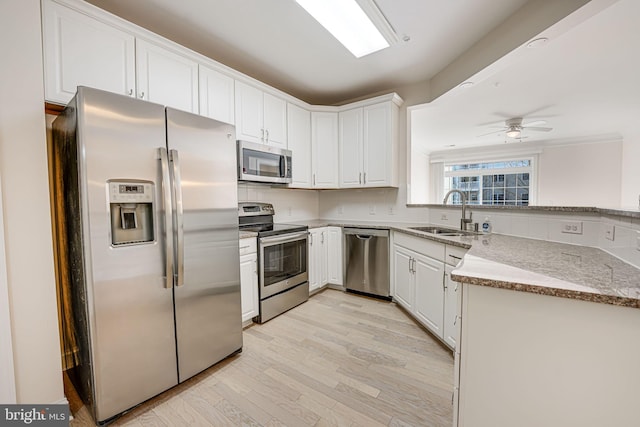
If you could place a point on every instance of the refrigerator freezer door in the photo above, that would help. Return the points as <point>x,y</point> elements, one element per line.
<point>130,311</point>
<point>207,304</point>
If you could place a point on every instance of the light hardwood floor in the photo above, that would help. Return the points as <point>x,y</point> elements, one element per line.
<point>337,360</point>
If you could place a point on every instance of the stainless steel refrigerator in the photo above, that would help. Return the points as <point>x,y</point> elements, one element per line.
<point>149,203</point>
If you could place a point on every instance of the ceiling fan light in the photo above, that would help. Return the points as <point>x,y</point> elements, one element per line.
<point>513,133</point>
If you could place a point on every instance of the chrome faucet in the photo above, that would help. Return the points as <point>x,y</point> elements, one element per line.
<point>463,221</point>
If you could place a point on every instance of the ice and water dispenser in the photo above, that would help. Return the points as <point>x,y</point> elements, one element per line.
<point>131,204</point>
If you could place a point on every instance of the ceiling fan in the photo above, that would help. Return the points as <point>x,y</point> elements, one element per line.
<point>514,127</point>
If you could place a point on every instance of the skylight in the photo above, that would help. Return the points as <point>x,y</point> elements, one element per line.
<point>348,23</point>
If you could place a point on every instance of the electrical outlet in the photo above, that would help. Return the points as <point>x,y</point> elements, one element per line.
<point>392,210</point>
<point>572,227</point>
<point>609,232</point>
<point>372,209</point>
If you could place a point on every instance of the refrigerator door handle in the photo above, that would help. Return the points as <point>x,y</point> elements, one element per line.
<point>177,192</point>
<point>168,216</point>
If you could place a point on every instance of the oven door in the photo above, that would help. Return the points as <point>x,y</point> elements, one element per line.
<point>283,262</point>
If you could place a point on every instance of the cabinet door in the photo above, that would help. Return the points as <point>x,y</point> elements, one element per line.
<point>350,143</point>
<point>324,145</point>
<point>275,121</point>
<point>166,77</point>
<point>82,51</point>
<point>324,253</point>
<point>403,277</point>
<point>451,326</point>
<point>249,286</point>
<point>249,113</point>
<point>429,302</point>
<point>299,142</point>
<point>315,261</point>
<point>334,255</point>
<point>217,99</point>
<point>378,145</point>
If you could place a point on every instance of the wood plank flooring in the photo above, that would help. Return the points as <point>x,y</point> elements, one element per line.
<point>337,360</point>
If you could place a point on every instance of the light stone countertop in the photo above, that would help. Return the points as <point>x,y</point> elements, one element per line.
<point>529,265</point>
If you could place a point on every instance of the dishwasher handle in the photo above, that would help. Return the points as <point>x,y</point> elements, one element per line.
<point>365,233</point>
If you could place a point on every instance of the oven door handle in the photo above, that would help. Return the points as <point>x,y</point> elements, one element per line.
<point>283,239</point>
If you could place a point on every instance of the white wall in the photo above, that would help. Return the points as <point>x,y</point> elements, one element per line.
<point>580,175</point>
<point>25,194</point>
<point>631,170</point>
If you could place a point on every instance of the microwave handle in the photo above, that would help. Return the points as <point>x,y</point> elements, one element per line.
<point>283,166</point>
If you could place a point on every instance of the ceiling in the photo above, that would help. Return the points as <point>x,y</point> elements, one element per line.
<point>277,42</point>
<point>584,82</point>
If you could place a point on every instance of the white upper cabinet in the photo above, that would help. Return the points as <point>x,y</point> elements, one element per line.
<point>299,142</point>
<point>82,51</point>
<point>260,117</point>
<point>380,145</point>
<point>166,77</point>
<point>350,143</point>
<point>324,148</point>
<point>216,95</point>
<point>275,120</point>
<point>368,146</point>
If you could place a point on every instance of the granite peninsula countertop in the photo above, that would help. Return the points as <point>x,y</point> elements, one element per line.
<point>529,265</point>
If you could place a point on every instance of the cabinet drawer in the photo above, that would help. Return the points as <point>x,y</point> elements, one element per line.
<point>422,246</point>
<point>454,254</point>
<point>248,245</point>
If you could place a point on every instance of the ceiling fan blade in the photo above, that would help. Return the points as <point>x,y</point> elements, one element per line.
<point>537,129</point>
<point>535,123</point>
<point>495,132</point>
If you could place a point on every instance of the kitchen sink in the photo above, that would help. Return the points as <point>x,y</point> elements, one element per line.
<point>443,231</point>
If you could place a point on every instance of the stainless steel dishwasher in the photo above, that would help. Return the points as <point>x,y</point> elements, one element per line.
<point>367,261</point>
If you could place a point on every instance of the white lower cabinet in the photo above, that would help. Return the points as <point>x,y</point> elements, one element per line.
<point>317,266</point>
<point>249,279</point>
<point>334,255</point>
<point>325,257</point>
<point>422,284</point>
<point>429,303</point>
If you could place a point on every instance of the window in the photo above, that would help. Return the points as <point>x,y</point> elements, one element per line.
<point>491,183</point>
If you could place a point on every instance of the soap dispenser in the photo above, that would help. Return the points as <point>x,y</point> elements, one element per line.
<point>486,225</point>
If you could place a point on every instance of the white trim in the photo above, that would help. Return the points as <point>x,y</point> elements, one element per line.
<point>7,373</point>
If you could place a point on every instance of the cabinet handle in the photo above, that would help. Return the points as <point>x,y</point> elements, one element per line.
<point>255,267</point>
<point>456,287</point>
<point>314,179</point>
<point>455,320</point>
<point>310,239</point>
<point>262,137</point>
<point>365,179</point>
<point>141,95</point>
<point>267,132</point>
<point>360,178</point>
<point>130,92</point>
<point>410,271</point>
<point>322,237</point>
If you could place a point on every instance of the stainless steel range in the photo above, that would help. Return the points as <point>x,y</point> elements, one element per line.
<point>282,259</point>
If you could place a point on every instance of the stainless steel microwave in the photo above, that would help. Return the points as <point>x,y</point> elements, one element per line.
<point>263,163</point>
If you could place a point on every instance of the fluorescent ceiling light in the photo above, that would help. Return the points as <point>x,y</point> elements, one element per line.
<point>348,23</point>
